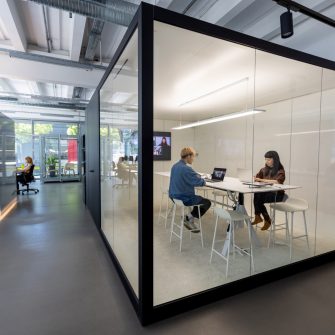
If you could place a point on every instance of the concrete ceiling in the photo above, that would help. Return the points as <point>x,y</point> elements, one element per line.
<point>35,30</point>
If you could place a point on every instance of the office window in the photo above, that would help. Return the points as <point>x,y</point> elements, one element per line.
<point>23,140</point>
<point>118,146</point>
<point>198,78</point>
<point>325,230</point>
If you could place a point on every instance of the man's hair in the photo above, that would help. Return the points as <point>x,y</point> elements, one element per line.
<point>188,151</point>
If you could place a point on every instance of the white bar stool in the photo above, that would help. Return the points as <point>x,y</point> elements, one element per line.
<point>231,217</point>
<point>165,215</point>
<point>292,205</point>
<point>218,194</point>
<point>180,205</point>
<point>204,190</point>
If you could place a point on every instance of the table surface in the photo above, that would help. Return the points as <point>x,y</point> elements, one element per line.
<point>235,185</point>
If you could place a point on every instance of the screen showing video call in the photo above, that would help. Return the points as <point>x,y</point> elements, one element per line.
<point>162,146</point>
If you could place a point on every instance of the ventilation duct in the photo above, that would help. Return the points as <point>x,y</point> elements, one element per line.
<point>114,11</point>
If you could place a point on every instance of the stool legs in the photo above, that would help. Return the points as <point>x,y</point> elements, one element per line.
<point>213,250</point>
<point>200,227</point>
<point>291,235</point>
<point>251,248</point>
<point>306,232</point>
<point>181,226</point>
<point>167,210</point>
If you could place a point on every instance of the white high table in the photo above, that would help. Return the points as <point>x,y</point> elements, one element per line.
<point>235,187</point>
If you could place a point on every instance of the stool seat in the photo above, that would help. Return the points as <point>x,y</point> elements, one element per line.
<point>291,205</point>
<point>231,217</point>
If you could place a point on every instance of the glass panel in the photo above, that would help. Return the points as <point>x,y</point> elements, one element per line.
<point>325,233</point>
<point>37,156</point>
<point>51,158</point>
<point>69,158</point>
<point>196,78</point>
<point>289,93</point>
<point>118,147</point>
<point>7,162</point>
<point>23,141</point>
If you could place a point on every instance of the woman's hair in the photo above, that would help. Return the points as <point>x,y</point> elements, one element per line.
<point>29,159</point>
<point>277,165</point>
<point>163,141</point>
<point>188,151</point>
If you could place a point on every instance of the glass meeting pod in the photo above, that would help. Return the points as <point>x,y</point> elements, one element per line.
<point>235,99</point>
<point>59,158</point>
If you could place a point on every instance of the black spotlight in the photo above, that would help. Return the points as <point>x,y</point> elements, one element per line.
<point>286,24</point>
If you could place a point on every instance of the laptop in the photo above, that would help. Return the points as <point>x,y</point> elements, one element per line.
<point>244,175</point>
<point>217,175</point>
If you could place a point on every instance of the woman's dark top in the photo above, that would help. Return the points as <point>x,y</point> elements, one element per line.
<point>265,173</point>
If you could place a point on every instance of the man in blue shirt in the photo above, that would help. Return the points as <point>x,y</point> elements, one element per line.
<point>182,182</point>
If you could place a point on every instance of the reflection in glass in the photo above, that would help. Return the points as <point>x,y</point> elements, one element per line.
<point>209,78</point>
<point>118,167</point>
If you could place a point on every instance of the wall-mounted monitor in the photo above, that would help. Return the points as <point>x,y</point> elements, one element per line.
<point>162,146</point>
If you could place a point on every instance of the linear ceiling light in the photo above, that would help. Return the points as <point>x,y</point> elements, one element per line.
<point>220,118</point>
<point>214,91</point>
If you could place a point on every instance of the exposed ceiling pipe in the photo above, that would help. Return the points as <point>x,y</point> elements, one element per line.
<point>46,27</point>
<point>46,98</point>
<point>93,40</point>
<point>28,102</point>
<point>115,11</point>
<point>52,60</point>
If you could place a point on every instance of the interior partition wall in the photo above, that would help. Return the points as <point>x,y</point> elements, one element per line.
<point>233,98</point>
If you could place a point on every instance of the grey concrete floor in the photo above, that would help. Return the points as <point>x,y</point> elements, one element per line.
<point>56,278</point>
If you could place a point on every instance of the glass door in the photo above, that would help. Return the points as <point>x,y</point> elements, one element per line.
<point>68,157</point>
<point>50,159</point>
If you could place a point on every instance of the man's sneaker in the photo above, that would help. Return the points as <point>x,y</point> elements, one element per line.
<point>191,226</point>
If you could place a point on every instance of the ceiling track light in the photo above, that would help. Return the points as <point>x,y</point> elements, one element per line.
<point>286,24</point>
<point>286,19</point>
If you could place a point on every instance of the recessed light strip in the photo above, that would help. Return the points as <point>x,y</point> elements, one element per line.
<point>220,118</point>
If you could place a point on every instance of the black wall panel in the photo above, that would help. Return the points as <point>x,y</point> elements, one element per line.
<point>92,184</point>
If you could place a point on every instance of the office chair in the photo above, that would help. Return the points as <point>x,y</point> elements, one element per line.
<point>29,178</point>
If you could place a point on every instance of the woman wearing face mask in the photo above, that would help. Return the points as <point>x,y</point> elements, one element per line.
<point>273,172</point>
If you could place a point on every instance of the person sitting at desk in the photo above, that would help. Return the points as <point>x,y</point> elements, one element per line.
<point>182,182</point>
<point>272,172</point>
<point>20,176</point>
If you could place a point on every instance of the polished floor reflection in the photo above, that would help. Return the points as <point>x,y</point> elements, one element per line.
<point>56,278</point>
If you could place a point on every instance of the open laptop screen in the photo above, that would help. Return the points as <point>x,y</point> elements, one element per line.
<point>219,174</point>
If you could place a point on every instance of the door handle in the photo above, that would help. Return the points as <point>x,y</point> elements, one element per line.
<point>91,170</point>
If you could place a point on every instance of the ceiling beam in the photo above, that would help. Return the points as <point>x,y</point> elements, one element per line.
<point>11,20</point>
<point>48,73</point>
<point>77,35</point>
<point>236,7</point>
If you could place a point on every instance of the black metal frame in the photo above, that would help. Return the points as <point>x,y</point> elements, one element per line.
<point>144,22</point>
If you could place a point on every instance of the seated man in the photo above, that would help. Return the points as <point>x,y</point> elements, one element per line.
<point>182,182</point>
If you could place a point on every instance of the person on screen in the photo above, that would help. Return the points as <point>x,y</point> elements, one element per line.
<point>273,172</point>
<point>182,182</point>
<point>22,172</point>
<point>165,149</point>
